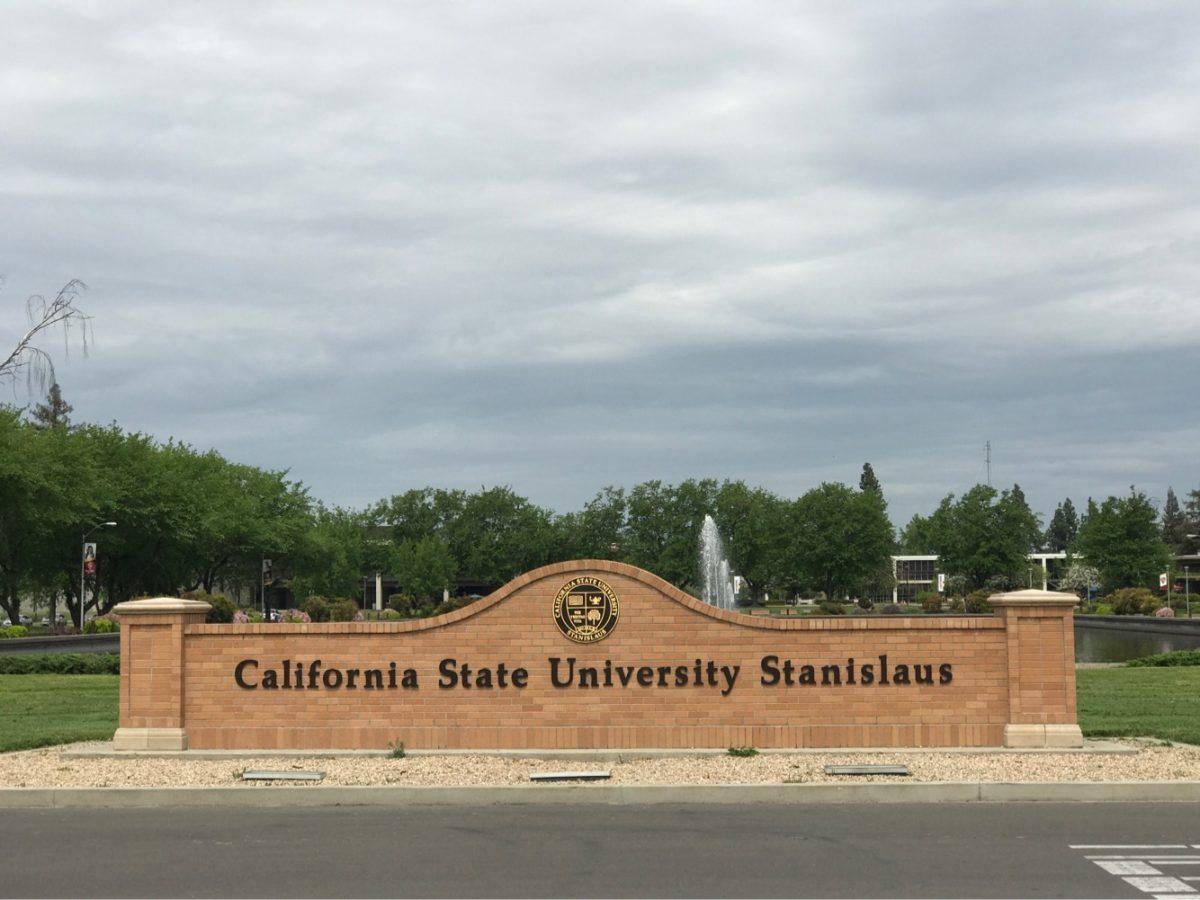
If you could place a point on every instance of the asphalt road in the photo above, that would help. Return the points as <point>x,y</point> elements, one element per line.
<point>859,850</point>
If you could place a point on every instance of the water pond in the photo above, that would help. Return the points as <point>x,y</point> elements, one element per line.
<point>1096,644</point>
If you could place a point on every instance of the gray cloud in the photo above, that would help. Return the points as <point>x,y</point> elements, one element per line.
<point>564,245</point>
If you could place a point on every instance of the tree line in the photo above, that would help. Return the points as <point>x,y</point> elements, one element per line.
<point>191,520</point>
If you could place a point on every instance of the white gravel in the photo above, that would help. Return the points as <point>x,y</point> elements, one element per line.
<point>48,767</point>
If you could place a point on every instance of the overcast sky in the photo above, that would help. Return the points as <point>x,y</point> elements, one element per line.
<point>562,245</point>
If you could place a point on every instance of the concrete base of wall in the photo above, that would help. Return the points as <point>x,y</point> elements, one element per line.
<point>1065,736</point>
<point>150,739</point>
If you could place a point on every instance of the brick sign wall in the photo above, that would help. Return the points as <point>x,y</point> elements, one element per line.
<point>594,654</point>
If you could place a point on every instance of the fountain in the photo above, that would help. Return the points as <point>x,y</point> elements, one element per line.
<point>716,582</point>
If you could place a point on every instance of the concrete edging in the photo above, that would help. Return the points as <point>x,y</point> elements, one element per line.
<point>874,792</point>
<point>106,751</point>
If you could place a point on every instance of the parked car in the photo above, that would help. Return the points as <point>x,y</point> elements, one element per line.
<point>45,623</point>
<point>25,620</point>
<point>7,622</point>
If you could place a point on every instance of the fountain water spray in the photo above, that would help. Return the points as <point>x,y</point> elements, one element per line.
<point>716,582</point>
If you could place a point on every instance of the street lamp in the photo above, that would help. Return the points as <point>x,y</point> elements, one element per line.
<point>1187,582</point>
<point>83,565</point>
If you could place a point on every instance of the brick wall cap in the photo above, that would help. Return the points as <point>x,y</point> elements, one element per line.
<point>1034,597</point>
<point>160,606</point>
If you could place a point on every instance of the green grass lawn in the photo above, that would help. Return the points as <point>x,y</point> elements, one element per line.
<point>36,710</point>
<point>1156,702</point>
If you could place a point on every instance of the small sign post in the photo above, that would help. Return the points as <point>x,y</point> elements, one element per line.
<point>941,582</point>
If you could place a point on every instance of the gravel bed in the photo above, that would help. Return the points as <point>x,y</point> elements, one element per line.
<point>47,767</point>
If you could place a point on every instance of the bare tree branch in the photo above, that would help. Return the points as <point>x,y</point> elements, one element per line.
<point>27,358</point>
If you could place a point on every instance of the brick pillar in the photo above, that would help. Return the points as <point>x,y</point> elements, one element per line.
<point>1039,627</point>
<point>152,665</point>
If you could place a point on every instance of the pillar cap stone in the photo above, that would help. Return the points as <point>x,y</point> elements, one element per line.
<point>1034,597</point>
<point>160,606</point>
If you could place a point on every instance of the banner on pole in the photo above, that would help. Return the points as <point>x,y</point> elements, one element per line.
<point>1162,580</point>
<point>89,560</point>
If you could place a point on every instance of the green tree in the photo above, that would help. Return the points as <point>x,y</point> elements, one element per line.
<point>985,536</point>
<point>662,533</point>
<point>1064,525</point>
<point>1192,520</point>
<point>753,526</point>
<point>424,567</point>
<point>331,559</point>
<point>498,534</point>
<point>595,532</point>
<point>54,413</point>
<point>919,536</point>
<point>839,537</point>
<point>1122,540</point>
<point>868,482</point>
<point>46,490</point>
<point>1174,523</point>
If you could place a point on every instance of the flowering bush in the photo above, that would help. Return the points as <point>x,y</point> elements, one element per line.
<point>240,618</point>
<point>1165,613</point>
<point>294,615</point>
<point>358,616</point>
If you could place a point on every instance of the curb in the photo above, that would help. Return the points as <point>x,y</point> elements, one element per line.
<point>105,751</point>
<point>291,796</point>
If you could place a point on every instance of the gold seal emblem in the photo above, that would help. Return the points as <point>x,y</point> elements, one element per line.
<point>586,610</point>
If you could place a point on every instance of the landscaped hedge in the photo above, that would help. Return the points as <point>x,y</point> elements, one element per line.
<point>61,664</point>
<point>1175,658</point>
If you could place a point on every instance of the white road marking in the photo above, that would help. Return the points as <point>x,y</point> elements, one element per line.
<point>1150,857</point>
<point>1128,867</point>
<point>1139,870</point>
<point>1152,885</point>
<point>1131,846</point>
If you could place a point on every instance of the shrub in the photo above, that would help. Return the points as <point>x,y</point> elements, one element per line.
<point>931,601</point>
<point>298,616</point>
<point>864,603</point>
<point>344,610</point>
<point>831,608</point>
<point>1132,602</point>
<point>410,607</point>
<point>247,616</point>
<point>222,608</point>
<point>317,608</point>
<point>956,584</point>
<point>1175,658</point>
<point>100,625</point>
<point>14,631</point>
<point>61,664</point>
<point>957,605</point>
<point>860,611</point>
<point>977,603</point>
<point>743,751</point>
<point>397,749</point>
<point>391,615</point>
<point>1165,613</point>
<point>403,604</point>
<point>891,609</point>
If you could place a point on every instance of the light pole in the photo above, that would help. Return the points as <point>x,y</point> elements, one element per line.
<point>1187,585</point>
<point>83,564</point>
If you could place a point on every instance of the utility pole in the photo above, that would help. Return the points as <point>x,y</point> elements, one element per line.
<point>987,451</point>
